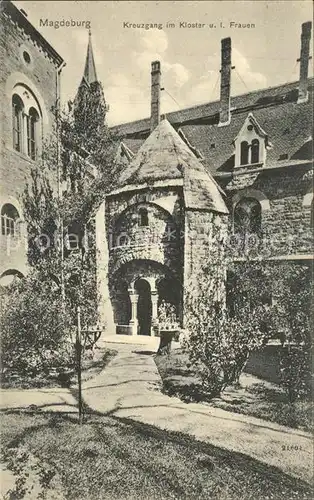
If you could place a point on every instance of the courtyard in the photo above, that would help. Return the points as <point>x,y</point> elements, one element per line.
<point>137,442</point>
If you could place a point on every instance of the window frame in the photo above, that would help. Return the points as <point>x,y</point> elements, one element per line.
<point>255,150</point>
<point>17,122</point>
<point>241,229</point>
<point>246,152</point>
<point>9,225</point>
<point>26,122</point>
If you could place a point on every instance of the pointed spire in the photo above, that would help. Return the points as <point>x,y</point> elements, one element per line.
<point>90,75</point>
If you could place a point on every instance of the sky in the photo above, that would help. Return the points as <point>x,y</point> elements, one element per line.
<point>263,55</point>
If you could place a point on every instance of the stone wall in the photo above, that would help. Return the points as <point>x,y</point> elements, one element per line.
<point>39,76</point>
<point>205,234</point>
<point>286,217</point>
<point>153,251</point>
<point>160,241</point>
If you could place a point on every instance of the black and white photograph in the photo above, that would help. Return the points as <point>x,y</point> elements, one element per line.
<point>156,269</point>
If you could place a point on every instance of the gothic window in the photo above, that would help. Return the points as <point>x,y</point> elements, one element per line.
<point>247,216</point>
<point>255,151</point>
<point>17,118</point>
<point>244,153</point>
<point>32,133</point>
<point>143,217</point>
<point>9,218</point>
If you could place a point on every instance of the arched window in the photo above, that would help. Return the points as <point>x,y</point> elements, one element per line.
<point>32,133</point>
<point>9,218</point>
<point>26,116</point>
<point>244,153</point>
<point>255,151</point>
<point>247,216</point>
<point>143,217</point>
<point>17,121</point>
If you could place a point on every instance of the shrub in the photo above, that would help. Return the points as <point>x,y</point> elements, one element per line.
<point>295,371</point>
<point>220,345</point>
<point>35,327</point>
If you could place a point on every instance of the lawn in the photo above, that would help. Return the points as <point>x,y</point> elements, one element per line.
<point>112,458</point>
<point>91,366</point>
<point>255,397</point>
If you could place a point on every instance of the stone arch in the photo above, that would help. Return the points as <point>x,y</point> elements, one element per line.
<point>137,306</point>
<point>120,215</point>
<point>252,193</point>
<point>134,254</point>
<point>19,222</point>
<point>12,201</point>
<point>18,78</point>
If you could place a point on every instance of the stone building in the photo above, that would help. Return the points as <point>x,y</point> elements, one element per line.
<point>210,178</point>
<point>249,156</point>
<point>30,82</point>
<point>160,223</point>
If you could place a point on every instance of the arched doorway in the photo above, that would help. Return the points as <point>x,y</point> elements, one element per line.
<point>144,307</point>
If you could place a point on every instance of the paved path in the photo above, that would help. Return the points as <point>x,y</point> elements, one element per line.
<point>130,387</point>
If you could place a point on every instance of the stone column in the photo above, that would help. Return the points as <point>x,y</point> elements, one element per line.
<point>133,321</point>
<point>154,297</point>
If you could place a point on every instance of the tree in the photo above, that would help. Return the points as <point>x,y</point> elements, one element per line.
<point>292,316</point>
<point>82,159</point>
<point>65,190</point>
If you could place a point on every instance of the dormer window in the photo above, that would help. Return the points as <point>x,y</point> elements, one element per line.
<point>143,217</point>
<point>251,143</point>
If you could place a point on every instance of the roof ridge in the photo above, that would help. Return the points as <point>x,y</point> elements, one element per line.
<point>207,103</point>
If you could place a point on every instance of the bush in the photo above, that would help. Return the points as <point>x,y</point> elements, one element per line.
<point>221,346</point>
<point>295,371</point>
<point>219,340</point>
<point>35,327</point>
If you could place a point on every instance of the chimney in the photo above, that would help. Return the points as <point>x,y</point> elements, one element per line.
<point>304,61</point>
<point>155,95</point>
<point>225,81</point>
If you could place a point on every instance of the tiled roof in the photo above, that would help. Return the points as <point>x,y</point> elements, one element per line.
<point>164,156</point>
<point>287,124</point>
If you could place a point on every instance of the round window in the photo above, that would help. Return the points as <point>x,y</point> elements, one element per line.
<point>26,57</point>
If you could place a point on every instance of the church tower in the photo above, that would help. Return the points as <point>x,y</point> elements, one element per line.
<point>90,107</point>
